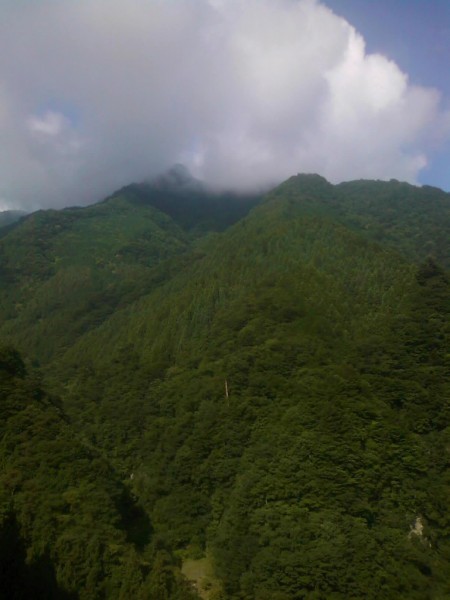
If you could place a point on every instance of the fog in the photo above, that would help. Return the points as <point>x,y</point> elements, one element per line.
<point>95,94</point>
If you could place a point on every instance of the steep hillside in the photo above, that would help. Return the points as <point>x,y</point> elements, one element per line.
<point>189,203</point>
<point>274,397</point>
<point>63,272</point>
<point>68,527</point>
<point>413,220</point>
<point>8,217</point>
<point>305,477</point>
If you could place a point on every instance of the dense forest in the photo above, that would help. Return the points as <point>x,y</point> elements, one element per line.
<point>229,398</point>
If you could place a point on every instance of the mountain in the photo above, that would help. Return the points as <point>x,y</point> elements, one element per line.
<point>63,272</point>
<point>8,217</point>
<point>69,528</point>
<point>268,390</point>
<point>189,202</point>
<point>407,218</point>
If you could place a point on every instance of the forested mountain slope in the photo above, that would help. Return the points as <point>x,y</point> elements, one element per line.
<point>413,220</point>
<point>63,272</point>
<point>189,203</point>
<point>8,217</point>
<point>275,396</point>
<point>69,528</point>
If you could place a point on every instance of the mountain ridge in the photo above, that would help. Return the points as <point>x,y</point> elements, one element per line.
<point>271,392</point>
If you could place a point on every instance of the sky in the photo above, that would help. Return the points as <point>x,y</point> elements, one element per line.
<point>96,94</point>
<point>416,35</point>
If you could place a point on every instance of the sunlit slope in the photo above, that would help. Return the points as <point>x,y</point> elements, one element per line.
<point>413,220</point>
<point>305,478</point>
<point>63,272</point>
<point>275,395</point>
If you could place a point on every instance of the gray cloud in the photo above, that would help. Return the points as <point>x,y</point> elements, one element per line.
<point>98,93</point>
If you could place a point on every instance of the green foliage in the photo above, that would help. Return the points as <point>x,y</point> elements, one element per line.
<point>402,216</point>
<point>276,395</point>
<point>68,526</point>
<point>11,362</point>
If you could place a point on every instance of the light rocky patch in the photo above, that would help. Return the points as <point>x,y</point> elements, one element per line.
<point>200,573</point>
<point>416,528</point>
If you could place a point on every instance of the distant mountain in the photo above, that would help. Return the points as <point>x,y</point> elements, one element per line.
<point>262,384</point>
<point>7,217</point>
<point>178,179</point>
<point>188,202</point>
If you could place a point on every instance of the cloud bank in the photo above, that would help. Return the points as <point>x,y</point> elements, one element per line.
<point>95,94</point>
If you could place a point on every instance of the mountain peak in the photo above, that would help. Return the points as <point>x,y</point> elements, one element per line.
<point>177,178</point>
<point>311,181</point>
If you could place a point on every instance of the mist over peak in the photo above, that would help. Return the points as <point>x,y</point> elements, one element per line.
<point>178,178</point>
<point>242,97</point>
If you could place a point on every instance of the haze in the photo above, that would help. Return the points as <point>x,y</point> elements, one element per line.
<point>96,94</point>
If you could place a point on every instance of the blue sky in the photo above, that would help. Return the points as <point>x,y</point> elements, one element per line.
<point>96,94</point>
<point>416,35</point>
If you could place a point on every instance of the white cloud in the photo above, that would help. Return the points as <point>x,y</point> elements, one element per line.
<point>51,124</point>
<point>246,93</point>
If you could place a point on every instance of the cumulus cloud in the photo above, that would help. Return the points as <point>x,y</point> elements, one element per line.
<point>98,93</point>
